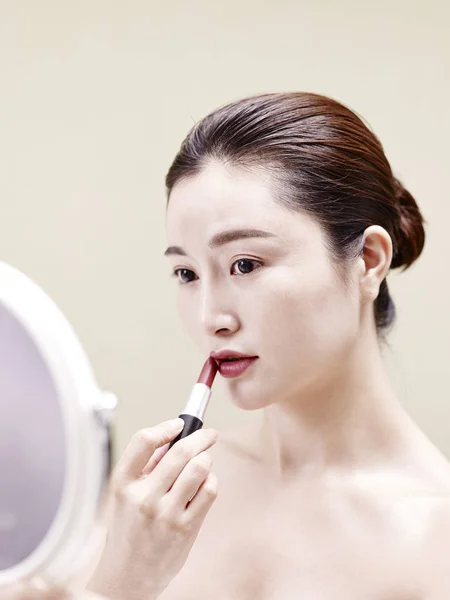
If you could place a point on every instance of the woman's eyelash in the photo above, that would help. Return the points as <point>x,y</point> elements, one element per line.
<point>247,260</point>
<point>176,274</point>
<point>258,263</point>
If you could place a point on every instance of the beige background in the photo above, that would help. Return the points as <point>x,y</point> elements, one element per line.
<point>95,98</point>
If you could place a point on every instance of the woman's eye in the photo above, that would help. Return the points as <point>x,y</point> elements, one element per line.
<point>184,275</point>
<point>245,265</point>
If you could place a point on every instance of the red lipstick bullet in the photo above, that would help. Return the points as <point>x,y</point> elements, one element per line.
<point>208,372</point>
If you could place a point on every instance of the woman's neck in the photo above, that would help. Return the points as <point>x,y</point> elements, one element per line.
<point>351,419</point>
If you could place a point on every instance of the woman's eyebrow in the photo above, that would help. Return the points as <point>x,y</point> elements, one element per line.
<point>220,239</point>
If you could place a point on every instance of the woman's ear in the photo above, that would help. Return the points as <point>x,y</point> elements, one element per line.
<point>375,261</point>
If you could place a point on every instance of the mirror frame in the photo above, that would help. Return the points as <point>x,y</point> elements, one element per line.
<point>87,414</point>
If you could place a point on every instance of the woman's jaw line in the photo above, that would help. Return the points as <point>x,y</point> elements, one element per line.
<point>345,422</point>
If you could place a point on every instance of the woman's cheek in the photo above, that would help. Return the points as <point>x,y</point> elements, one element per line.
<point>299,317</point>
<point>188,315</point>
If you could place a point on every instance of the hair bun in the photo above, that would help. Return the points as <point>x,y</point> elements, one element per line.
<point>410,233</point>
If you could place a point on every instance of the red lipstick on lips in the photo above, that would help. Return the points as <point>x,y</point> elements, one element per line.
<point>232,364</point>
<point>198,400</point>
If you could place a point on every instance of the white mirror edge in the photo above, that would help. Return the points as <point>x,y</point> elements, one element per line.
<point>62,552</point>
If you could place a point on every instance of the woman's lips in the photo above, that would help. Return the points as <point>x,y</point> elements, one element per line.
<point>234,368</point>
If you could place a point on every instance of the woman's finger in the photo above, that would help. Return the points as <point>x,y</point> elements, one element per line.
<point>168,469</point>
<point>189,482</point>
<point>203,499</point>
<point>154,460</point>
<point>141,448</point>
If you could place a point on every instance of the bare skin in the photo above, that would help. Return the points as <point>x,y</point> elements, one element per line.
<point>379,534</point>
<point>332,492</point>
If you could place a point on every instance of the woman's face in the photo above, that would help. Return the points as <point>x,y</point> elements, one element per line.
<point>274,295</point>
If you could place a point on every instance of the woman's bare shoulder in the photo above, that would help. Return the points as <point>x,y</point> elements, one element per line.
<point>433,470</point>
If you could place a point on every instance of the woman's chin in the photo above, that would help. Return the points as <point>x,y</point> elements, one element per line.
<point>248,396</point>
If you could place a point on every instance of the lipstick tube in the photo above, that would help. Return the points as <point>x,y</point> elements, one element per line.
<point>194,411</point>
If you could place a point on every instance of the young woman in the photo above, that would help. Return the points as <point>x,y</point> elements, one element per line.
<point>284,219</point>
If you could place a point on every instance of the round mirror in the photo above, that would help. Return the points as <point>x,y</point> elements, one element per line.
<point>55,443</point>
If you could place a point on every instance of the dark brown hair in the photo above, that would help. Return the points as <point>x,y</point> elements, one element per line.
<point>324,161</point>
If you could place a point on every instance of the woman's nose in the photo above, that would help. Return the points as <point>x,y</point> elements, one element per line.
<point>218,313</point>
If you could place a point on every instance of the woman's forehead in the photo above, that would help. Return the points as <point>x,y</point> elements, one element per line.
<point>222,197</point>
<point>221,189</point>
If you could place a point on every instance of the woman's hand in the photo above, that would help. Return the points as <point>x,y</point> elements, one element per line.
<point>157,504</point>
